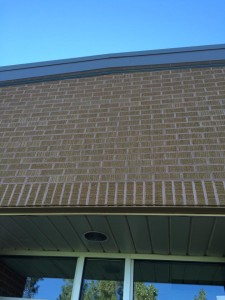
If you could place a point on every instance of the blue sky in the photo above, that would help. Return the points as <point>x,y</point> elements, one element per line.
<point>42,30</point>
<point>187,292</point>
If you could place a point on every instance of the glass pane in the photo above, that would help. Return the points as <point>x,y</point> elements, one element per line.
<point>103,280</point>
<point>37,277</point>
<point>154,280</point>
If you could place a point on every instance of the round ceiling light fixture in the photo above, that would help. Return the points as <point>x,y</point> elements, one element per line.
<point>95,236</point>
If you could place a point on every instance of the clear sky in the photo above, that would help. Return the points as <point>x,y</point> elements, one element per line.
<point>42,30</point>
<point>186,292</point>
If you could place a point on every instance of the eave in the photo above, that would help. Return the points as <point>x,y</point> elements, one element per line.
<point>190,57</point>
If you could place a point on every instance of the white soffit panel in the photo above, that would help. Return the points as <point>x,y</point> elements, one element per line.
<point>162,235</point>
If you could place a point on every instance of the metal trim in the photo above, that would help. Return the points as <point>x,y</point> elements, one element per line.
<point>111,210</point>
<point>128,279</point>
<point>207,259</point>
<point>77,283</point>
<point>204,56</point>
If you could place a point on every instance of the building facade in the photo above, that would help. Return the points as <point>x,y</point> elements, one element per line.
<point>113,169</point>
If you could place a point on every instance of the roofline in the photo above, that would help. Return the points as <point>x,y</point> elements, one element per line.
<point>118,210</point>
<point>202,56</point>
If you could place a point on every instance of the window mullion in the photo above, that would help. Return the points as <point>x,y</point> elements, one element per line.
<point>77,284</point>
<point>128,279</point>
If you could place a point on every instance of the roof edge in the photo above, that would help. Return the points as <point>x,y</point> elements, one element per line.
<point>201,56</point>
<point>111,210</point>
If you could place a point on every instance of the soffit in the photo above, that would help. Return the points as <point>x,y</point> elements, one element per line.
<point>163,235</point>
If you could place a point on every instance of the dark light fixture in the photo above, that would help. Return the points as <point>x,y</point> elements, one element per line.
<point>95,236</point>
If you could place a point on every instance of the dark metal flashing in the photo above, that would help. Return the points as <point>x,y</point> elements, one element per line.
<point>156,60</point>
<point>112,210</point>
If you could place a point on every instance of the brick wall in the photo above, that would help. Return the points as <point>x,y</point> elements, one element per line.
<point>11,283</point>
<point>148,138</point>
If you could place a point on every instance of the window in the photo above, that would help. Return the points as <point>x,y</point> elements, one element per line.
<point>103,279</point>
<point>111,278</point>
<point>178,280</point>
<point>36,277</point>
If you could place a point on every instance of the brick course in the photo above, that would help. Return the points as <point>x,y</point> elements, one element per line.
<point>147,138</point>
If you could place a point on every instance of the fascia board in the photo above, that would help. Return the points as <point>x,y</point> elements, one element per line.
<point>168,58</point>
